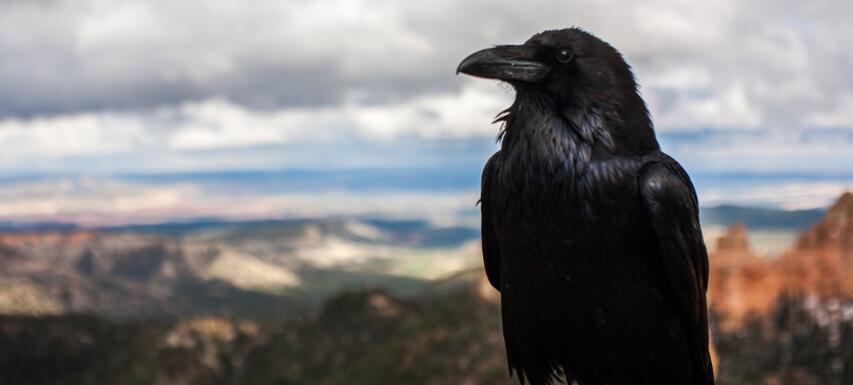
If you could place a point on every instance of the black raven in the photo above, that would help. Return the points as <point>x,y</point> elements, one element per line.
<point>590,232</point>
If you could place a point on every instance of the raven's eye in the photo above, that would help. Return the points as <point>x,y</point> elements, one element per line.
<point>564,56</point>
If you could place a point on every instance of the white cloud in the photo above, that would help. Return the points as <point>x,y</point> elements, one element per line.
<point>219,124</point>
<point>131,77</point>
<point>77,134</point>
<point>788,195</point>
<point>680,78</point>
<point>729,109</point>
<point>839,114</point>
<point>760,151</point>
<point>435,116</point>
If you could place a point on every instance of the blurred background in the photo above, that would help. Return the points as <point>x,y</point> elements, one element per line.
<point>283,192</point>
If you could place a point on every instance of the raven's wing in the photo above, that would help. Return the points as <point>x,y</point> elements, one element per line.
<point>491,256</point>
<point>671,206</point>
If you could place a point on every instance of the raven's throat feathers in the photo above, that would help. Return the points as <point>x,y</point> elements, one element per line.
<point>538,140</point>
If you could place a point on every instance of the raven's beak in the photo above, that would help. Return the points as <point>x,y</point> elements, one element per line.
<point>504,62</point>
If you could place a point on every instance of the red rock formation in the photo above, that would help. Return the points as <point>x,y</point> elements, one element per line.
<point>741,282</point>
<point>819,264</point>
<point>834,231</point>
<point>734,240</point>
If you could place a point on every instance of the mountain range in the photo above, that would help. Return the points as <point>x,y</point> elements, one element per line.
<point>213,266</point>
<point>365,302</point>
<point>262,268</point>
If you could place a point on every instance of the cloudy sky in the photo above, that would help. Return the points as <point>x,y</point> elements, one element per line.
<point>119,86</point>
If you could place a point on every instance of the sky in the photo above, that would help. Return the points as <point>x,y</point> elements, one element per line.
<point>160,86</point>
<point>92,91</point>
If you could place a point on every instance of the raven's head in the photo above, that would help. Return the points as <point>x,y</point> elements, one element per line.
<point>581,77</point>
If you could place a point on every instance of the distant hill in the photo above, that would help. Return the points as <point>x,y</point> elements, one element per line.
<point>258,268</point>
<point>12,226</point>
<point>774,321</point>
<point>215,266</point>
<point>723,215</point>
<point>760,218</point>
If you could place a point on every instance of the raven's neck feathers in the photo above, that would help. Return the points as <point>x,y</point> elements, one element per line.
<point>589,128</point>
<point>538,140</point>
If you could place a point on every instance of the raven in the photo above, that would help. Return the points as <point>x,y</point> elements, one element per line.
<point>590,232</point>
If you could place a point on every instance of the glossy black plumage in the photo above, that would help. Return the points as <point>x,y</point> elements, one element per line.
<point>590,232</point>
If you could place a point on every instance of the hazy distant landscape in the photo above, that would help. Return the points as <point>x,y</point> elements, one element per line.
<point>444,196</point>
<point>361,300</point>
<point>174,245</point>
